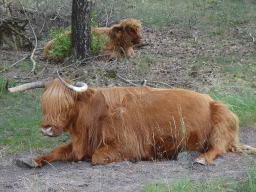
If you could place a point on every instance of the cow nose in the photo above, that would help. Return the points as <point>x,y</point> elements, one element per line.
<point>47,131</point>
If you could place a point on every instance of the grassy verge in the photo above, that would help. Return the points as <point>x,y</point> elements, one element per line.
<point>240,100</point>
<point>185,184</point>
<point>210,15</point>
<point>21,117</point>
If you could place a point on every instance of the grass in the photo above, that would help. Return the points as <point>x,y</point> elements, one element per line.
<point>143,62</point>
<point>211,15</point>
<point>240,100</point>
<point>184,184</point>
<point>250,184</point>
<point>219,23</point>
<point>21,117</point>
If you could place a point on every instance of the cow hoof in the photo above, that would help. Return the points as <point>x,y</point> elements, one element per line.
<point>25,163</point>
<point>201,161</point>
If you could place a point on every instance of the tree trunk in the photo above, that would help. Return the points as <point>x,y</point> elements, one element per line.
<point>81,29</point>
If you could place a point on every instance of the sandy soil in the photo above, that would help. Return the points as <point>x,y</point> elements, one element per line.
<point>165,60</point>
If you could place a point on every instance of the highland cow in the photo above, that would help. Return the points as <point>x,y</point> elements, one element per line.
<point>120,40</point>
<point>133,123</point>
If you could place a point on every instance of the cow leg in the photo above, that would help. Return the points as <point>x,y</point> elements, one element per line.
<point>61,153</point>
<point>209,156</point>
<point>107,154</point>
<point>130,52</point>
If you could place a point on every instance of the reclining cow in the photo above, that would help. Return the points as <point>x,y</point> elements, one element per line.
<point>120,40</point>
<point>133,123</point>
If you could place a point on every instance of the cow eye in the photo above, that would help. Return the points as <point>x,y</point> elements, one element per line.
<point>133,31</point>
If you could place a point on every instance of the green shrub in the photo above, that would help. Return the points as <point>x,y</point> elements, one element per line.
<point>97,42</point>
<point>61,44</point>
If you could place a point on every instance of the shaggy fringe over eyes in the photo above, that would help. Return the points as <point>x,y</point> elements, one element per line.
<point>131,23</point>
<point>57,101</point>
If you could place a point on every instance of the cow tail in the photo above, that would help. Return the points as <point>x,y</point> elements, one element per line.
<point>242,148</point>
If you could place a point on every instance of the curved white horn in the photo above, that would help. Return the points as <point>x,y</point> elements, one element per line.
<point>26,86</point>
<point>77,87</point>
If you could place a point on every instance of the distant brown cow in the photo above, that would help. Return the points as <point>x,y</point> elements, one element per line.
<point>133,123</point>
<point>120,40</point>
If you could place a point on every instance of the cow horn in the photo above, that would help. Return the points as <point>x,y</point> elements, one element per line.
<point>38,84</point>
<point>77,86</point>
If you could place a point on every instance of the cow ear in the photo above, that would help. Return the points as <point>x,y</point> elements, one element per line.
<point>117,29</point>
<point>85,96</point>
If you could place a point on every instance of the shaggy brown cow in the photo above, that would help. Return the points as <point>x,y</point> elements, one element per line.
<point>133,123</point>
<point>120,40</point>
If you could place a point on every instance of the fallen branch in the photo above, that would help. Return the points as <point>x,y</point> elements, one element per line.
<point>251,37</point>
<point>142,83</point>
<point>141,45</point>
<point>14,64</point>
<point>162,83</point>
<point>32,55</point>
<point>127,81</point>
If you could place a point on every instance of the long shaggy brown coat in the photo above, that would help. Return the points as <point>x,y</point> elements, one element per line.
<point>115,124</point>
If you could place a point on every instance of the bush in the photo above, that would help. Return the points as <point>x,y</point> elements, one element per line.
<point>61,44</point>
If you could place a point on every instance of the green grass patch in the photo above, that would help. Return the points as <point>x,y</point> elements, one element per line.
<point>212,16</point>
<point>250,184</point>
<point>21,117</point>
<point>185,184</point>
<point>233,66</point>
<point>240,100</point>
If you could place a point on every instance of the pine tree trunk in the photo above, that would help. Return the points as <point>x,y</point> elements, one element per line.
<point>81,29</point>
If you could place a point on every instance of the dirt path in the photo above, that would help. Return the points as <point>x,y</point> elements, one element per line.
<point>122,176</point>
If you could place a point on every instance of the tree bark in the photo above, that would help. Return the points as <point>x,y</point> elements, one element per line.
<point>81,29</point>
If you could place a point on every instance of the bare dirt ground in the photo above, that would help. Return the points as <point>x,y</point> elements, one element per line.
<point>163,61</point>
<point>121,176</point>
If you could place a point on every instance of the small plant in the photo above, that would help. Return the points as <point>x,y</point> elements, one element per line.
<point>156,187</point>
<point>111,73</point>
<point>61,44</point>
<point>250,184</point>
<point>97,42</point>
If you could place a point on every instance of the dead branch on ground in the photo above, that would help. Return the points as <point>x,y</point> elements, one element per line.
<point>14,63</point>
<point>138,83</point>
<point>33,52</point>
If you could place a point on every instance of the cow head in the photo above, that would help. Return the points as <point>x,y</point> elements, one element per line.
<point>127,31</point>
<point>58,103</point>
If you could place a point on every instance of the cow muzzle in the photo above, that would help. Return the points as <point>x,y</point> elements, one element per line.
<point>136,40</point>
<point>52,131</point>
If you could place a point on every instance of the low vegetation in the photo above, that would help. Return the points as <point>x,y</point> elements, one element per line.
<point>185,184</point>
<point>21,117</point>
